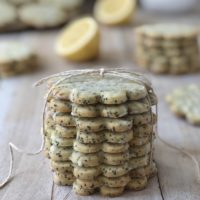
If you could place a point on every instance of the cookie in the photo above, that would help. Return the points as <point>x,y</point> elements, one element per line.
<point>64,119</point>
<point>60,153</point>
<point>112,111</point>
<point>90,138</point>
<point>137,183</point>
<point>116,125</point>
<point>62,166</point>
<point>42,15</point>
<point>68,5</point>
<point>63,178</point>
<point>85,160</point>
<point>16,58</point>
<point>61,142</point>
<point>119,138</point>
<point>139,141</point>
<point>184,103</point>
<point>115,171</point>
<point>86,148</point>
<point>115,158</point>
<point>121,181</point>
<point>81,191</point>
<point>111,192</point>
<point>65,132</point>
<point>8,15</point>
<point>57,105</point>
<point>139,151</point>
<point>99,90</point>
<point>139,162</point>
<point>142,130</point>
<point>114,148</point>
<point>88,184</point>
<point>87,173</point>
<point>168,31</point>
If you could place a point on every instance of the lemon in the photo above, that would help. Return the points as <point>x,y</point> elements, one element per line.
<point>114,12</point>
<point>79,41</point>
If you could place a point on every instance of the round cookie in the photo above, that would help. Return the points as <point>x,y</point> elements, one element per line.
<point>139,162</point>
<point>115,171</point>
<point>137,183</point>
<point>115,158</point>
<point>89,138</point>
<point>139,141</point>
<point>142,130</point>
<point>86,148</point>
<point>60,154</point>
<point>65,132</point>
<point>63,178</point>
<point>111,192</point>
<point>120,138</point>
<point>57,105</point>
<point>61,142</point>
<point>89,173</point>
<point>121,181</point>
<point>139,151</point>
<point>42,15</point>
<point>88,184</point>
<point>62,166</point>
<point>81,191</point>
<point>114,148</point>
<point>85,160</point>
<point>64,119</point>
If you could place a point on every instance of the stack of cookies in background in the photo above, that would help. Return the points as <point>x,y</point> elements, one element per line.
<point>39,14</point>
<point>167,48</point>
<point>102,133</point>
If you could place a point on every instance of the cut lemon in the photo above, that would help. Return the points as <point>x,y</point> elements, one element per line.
<point>114,12</point>
<point>79,41</point>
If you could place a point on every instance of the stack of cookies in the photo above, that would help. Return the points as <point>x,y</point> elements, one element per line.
<point>167,48</point>
<point>101,135</point>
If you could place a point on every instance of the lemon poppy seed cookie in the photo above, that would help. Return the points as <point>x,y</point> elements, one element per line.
<point>16,58</point>
<point>184,102</point>
<point>167,48</point>
<point>42,15</point>
<point>102,130</point>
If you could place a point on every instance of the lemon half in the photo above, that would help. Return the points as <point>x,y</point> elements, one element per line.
<point>79,41</point>
<point>114,12</point>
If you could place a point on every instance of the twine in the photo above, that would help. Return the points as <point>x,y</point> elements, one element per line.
<point>121,73</point>
<point>19,150</point>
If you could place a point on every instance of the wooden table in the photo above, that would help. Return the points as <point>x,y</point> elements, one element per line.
<point>21,114</point>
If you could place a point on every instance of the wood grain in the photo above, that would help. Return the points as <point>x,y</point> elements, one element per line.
<point>21,113</point>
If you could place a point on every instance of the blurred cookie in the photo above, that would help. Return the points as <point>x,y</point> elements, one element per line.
<point>42,15</point>
<point>184,102</point>
<point>16,58</point>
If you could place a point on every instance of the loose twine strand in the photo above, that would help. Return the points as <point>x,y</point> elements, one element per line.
<point>121,73</point>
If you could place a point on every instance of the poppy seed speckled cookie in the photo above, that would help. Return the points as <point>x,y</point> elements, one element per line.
<point>184,102</point>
